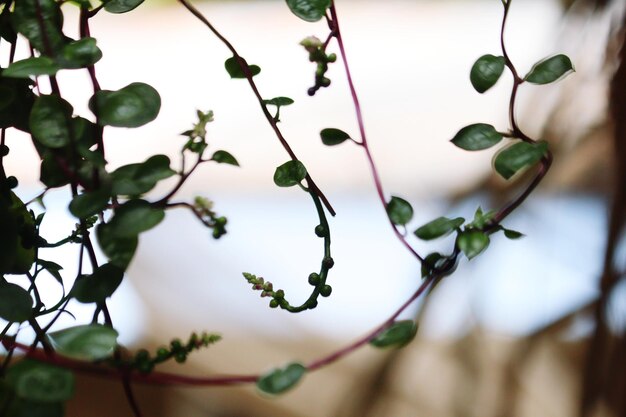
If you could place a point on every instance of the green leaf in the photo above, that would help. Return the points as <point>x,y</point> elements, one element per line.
<point>279,101</point>
<point>16,102</point>
<point>41,21</point>
<point>99,286</point>
<point>481,219</point>
<point>280,380</point>
<point>486,72</point>
<point>224,157</point>
<point>134,217</point>
<point>309,10</point>
<point>132,106</point>
<point>40,382</point>
<point>331,136</point>
<point>41,65</point>
<point>15,303</point>
<point>441,226</point>
<point>50,121</point>
<point>90,203</point>
<point>550,70</point>
<point>431,261</point>
<point>517,156</point>
<point>119,250</point>
<point>399,211</point>
<point>80,53</point>
<point>398,334</point>
<point>136,179</point>
<point>477,137</point>
<point>121,6</point>
<point>52,268</point>
<point>512,234</point>
<point>289,174</point>
<point>87,342</point>
<point>235,71</point>
<point>472,242</point>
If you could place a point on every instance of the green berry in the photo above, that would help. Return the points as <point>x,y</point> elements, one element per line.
<point>326,290</point>
<point>273,304</point>
<point>311,304</point>
<point>162,353</point>
<point>314,279</point>
<point>180,357</point>
<point>328,262</point>
<point>320,231</point>
<point>142,355</point>
<point>12,182</point>
<point>176,345</point>
<point>4,150</point>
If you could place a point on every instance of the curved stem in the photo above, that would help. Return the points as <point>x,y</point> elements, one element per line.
<point>255,90</point>
<point>359,116</point>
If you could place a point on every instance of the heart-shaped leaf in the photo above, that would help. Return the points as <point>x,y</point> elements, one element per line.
<point>86,342</point>
<point>309,10</point>
<point>550,70</point>
<point>289,174</point>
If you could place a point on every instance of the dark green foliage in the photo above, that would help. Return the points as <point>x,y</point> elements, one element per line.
<point>486,72</point>
<point>132,106</point>
<point>399,211</point>
<point>397,335</point>
<point>441,226</point>
<point>15,303</point>
<point>520,155</point>
<point>289,174</point>
<point>472,242</point>
<point>309,10</point>
<point>88,342</point>
<point>550,70</point>
<point>332,136</point>
<point>97,287</point>
<point>282,379</point>
<point>235,68</point>
<point>477,137</point>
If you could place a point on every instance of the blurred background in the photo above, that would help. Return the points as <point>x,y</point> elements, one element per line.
<point>533,327</point>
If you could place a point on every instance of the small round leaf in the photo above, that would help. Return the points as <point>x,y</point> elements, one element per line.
<point>132,106</point>
<point>477,137</point>
<point>282,379</point>
<point>289,174</point>
<point>80,53</point>
<point>15,303</point>
<point>90,203</point>
<point>86,342</point>
<point>134,217</point>
<point>472,242</point>
<point>99,286</point>
<point>550,70</point>
<point>399,211</point>
<point>398,334</point>
<point>441,226</point>
<point>309,10</point>
<point>50,121</point>
<point>331,136</point>
<point>119,250</point>
<point>486,72</point>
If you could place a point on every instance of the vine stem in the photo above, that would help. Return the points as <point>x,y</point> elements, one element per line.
<point>169,379</point>
<point>266,113</point>
<point>363,143</point>
<point>516,132</point>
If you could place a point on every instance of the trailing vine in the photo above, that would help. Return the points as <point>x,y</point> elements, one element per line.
<point>113,208</point>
